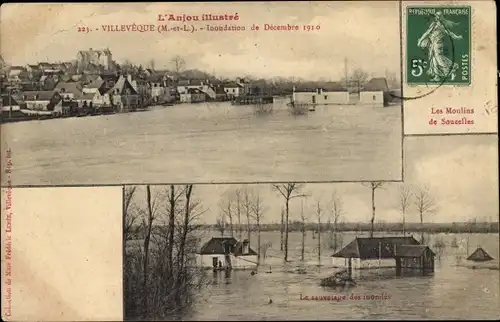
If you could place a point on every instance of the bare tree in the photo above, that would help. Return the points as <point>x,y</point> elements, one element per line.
<point>425,204</point>
<point>178,63</point>
<point>151,216</point>
<point>302,229</point>
<point>247,208</point>
<point>282,228</point>
<point>405,202</point>
<point>288,191</point>
<point>359,77</point>
<point>238,211</point>
<point>173,196</point>
<point>319,213</point>
<point>258,214</point>
<point>130,216</point>
<point>336,212</point>
<point>226,209</point>
<point>374,185</point>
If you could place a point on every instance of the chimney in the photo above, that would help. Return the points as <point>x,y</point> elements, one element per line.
<point>246,247</point>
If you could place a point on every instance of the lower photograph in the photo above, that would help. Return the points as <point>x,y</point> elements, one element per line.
<point>308,252</point>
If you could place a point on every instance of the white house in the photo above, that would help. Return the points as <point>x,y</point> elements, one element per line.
<point>233,89</point>
<point>375,92</point>
<point>43,101</point>
<point>371,253</point>
<point>321,94</point>
<point>227,252</point>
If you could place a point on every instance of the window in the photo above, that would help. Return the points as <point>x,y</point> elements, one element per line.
<point>326,97</point>
<point>374,97</point>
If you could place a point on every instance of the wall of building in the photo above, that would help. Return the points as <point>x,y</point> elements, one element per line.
<point>321,98</point>
<point>240,262</point>
<point>37,105</point>
<point>358,264</point>
<point>232,91</point>
<point>373,98</point>
<point>101,100</point>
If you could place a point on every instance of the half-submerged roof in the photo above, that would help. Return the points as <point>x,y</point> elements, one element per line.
<point>479,255</point>
<point>215,246</point>
<point>374,247</point>
<point>412,250</point>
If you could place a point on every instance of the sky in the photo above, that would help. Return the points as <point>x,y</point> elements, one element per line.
<point>367,33</point>
<point>460,172</point>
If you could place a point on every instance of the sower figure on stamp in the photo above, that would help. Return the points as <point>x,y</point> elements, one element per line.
<point>440,66</point>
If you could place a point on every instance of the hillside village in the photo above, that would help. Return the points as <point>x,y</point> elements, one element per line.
<point>94,84</point>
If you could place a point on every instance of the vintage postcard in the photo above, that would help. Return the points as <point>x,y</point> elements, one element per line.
<point>244,161</point>
<point>202,92</point>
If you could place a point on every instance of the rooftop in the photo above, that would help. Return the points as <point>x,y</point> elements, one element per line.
<point>479,255</point>
<point>374,247</point>
<point>216,246</point>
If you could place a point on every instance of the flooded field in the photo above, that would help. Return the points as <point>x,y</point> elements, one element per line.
<point>208,142</point>
<point>451,293</point>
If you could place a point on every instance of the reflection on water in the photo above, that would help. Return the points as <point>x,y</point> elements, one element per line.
<point>451,292</point>
<point>209,142</point>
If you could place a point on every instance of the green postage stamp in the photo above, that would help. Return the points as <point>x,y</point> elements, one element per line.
<point>438,45</point>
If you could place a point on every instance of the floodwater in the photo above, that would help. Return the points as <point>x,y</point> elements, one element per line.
<point>451,293</point>
<point>208,142</point>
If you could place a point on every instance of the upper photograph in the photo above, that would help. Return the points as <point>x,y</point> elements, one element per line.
<point>103,94</point>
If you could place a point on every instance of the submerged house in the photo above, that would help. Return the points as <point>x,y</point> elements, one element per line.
<point>227,253</point>
<point>374,252</point>
<point>322,93</point>
<point>479,255</point>
<point>375,92</point>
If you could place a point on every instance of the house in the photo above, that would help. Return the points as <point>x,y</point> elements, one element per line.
<point>158,90</point>
<point>322,93</point>
<point>193,95</point>
<point>373,252</point>
<point>123,95</point>
<point>204,86</point>
<point>15,73</point>
<point>220,93</point>
<point>245,86</point>
<point>228,253</point>
<point>43,100</point>
<point>99,57</point>
<point>479,255</point>
<point>73,92</point>
<point>233,89</point>
<point>93,87</point>
<point>375,92</point>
